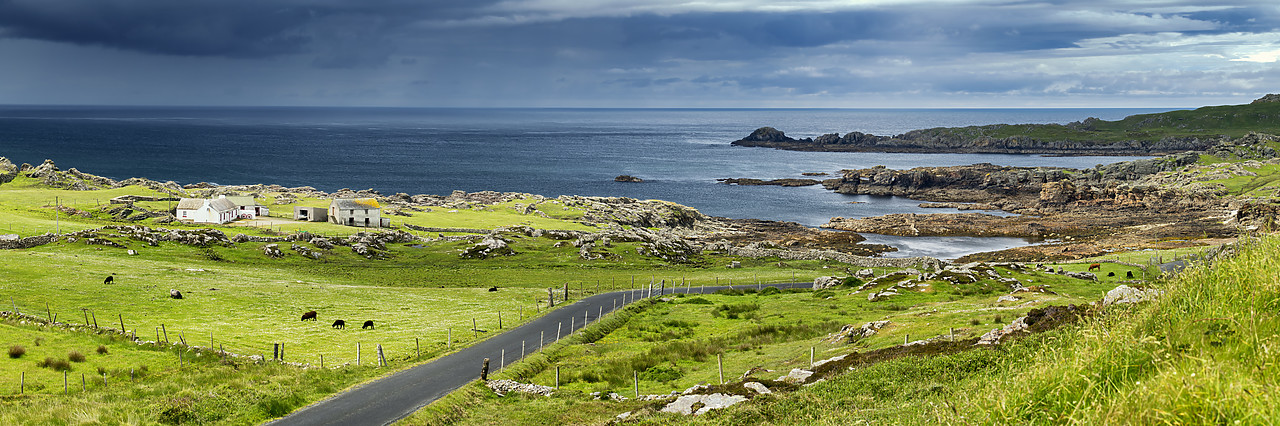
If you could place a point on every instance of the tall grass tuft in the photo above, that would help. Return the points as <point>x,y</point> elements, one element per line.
<point>75,356</point>
<point>17,351</point>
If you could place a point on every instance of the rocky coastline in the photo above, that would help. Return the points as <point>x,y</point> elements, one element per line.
<point>1160,202</point>
<point>928,141</point>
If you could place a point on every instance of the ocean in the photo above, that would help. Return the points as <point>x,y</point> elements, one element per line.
<point>678,152</point>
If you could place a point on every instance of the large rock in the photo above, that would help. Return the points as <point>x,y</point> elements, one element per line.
<point>822,283</point>
<point>685,403</point>
<point>1125,294</point>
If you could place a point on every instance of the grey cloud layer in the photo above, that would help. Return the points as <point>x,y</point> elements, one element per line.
<point>503,50</point>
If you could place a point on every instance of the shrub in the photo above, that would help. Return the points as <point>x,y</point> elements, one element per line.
<point>975,321</point>
<point>659,373</point>
<point>696,301</point>
<point>823,294</point>
<point>55,364</point>
<point>852,282</point>
<point>75,356</point>
<point>38,340</point>
<point>732,311</point>
<point>770,291</point>
<point>102,350</point>
<point>998,319</point>
<point>17,351</point>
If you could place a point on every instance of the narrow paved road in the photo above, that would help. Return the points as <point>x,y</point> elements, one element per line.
<point>394,397</point>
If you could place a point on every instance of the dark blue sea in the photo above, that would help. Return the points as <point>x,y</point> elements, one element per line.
<point>678,152</point>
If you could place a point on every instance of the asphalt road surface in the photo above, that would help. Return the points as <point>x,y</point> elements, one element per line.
<point>394,397</point>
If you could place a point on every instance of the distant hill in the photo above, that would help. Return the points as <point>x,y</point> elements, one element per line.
<point>1143,134</point>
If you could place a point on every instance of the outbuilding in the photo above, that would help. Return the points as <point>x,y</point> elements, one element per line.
<point>310,214</point>
<point>248,208</point>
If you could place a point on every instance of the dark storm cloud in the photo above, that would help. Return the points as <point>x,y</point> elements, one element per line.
<point>344,30</point>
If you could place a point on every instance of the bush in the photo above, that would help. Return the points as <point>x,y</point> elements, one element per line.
<point>770,291</point>
<point>823,294</point>
<point>732,311</point>
<point>852,282</point>
<point>17,351</point>
<point>696,301</point>
<point>975,321</point>
<point>102,350</point>
<point>55,364</point>
<point>75,356</point>
<point>38,340</point>
<point>660,373</point>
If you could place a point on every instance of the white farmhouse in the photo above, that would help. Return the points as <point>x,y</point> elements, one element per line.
<point>201,210</point>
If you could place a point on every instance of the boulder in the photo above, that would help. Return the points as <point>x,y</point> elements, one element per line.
<point>758,387</point>
<point>272,251</point>
<point>174,293</point>
<point>821,283</point>
<point>865,273</point>
<point>685,403</point>
<point>1126,294</point>
<point>796,376</point>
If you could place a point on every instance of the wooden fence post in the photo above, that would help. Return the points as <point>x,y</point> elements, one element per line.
<point>357,354</point>
<point>558,325</point>
<point>557,377</point>
<point>382,358</point>
<point>449,340</point>
<point>502,362</point>
<point>95,319</point>
<point>542,339</point>
<point>635,379</point>
<point>484,370</point>
<point>812,349</point>
<point>418,346</point>
<point>22,385</point>
<point>499,320</point>
<point>166,333</point>
<point>64,382</point>
<point>475,330</point>
<point>720,366</point>
<point>122,330</point>
<point>551,298</point>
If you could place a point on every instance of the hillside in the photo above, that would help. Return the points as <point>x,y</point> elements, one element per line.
<point>1143,134</point>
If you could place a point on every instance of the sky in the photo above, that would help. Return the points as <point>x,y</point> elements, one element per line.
<point>640,53</point>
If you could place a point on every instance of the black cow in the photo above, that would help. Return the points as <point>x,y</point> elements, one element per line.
<point>495,288</point>
<point>339,324</point>
<point>175,294</point>
<point>1111,274</point>
<point>109,280</point>
<point>310,315</point>
<point>1128,274</point>
<point>368,325</point>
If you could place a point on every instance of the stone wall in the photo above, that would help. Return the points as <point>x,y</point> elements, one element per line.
<point>835,256</point>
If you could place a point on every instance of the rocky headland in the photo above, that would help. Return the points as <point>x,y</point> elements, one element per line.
<point>1146,134</point>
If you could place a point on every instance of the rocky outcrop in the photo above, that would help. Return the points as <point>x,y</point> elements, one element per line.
<point>823,283</point>
<point>792,182</point>
<point>491,246</point>
<point>628,179</point>
<point>1126,294</point>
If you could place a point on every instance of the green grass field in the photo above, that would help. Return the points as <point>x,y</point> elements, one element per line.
<point>674,345</point>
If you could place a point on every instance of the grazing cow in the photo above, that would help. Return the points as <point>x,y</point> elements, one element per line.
<point>174,293</point>
<point>110,279</point>
<point>1111,274</point>
<point>310,315</point>
<point>495,288</point>
<point>1095,267</point>
<point>368,325</point>
<point>1128,274</point>
<point>339,324</point>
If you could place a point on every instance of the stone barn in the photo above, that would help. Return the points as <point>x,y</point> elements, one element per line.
<point>310,214</point>
<point>362,212</point>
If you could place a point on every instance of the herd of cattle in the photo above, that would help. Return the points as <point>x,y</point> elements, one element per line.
<point>339,324</point>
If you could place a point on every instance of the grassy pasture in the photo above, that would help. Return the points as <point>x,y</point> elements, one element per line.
<point>673,345</point>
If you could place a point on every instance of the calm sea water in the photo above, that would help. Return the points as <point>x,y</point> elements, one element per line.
<point>680,153</point>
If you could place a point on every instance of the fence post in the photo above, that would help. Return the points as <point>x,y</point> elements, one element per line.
<point>812,349</point>
<point>551,298</point>
<point>566,291</point>
<point>418,345</point>
<point>166,333</point>
<point>521,349</point>
<point>484,370</point>
<point>542,339</point>
<point>720,366</point>
<point>557,377</point>
<point>95,319</point>
<point>635,379</point>
<point>275,351</point>
<point>64,382</point>
<point>449,340</point>
<point>502,362</point>
<point>499,320</point>
<point>475,330</point>
<point>322,361</point>
<point>22,386</point>
<point>382,359</point>
<point>357,354</point>
<point>558,325</point>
